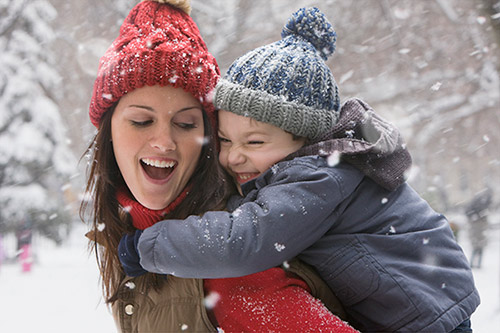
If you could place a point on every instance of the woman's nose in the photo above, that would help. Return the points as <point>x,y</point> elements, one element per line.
<point>163,140</point>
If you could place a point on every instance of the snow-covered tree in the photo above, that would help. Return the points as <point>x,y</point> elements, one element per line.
<point>35,163</point>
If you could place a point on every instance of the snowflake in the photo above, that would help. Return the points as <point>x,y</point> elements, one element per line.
<point>173,79</point>
<point>333,159</point>
<point>274,169</point>
<point>211,300</point>
<point>279,247</point>
<point>349,133</point>
<point>203,140</point>
<point>236,212</point>
<point>127,209</point>
<point>130,285</point>
<point>436,86</point>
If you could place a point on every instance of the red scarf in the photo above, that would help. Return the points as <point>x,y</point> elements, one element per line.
<point>143,217</point>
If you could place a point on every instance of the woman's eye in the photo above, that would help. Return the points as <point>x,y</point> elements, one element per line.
<point>141,123</point>
<point>223,140</point>
<point>187,125</point>
<point>255,142</point>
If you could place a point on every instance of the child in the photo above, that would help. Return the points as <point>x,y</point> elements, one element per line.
<point>390,259</point>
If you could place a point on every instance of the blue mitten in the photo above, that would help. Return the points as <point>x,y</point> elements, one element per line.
<point>129,256</point>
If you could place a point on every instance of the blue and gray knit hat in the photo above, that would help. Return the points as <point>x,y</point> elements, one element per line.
<point>287,83</point>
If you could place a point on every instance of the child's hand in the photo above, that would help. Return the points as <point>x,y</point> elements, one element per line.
<point>129,256</point>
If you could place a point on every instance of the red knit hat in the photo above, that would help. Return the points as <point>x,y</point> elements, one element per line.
<point>159,44</point>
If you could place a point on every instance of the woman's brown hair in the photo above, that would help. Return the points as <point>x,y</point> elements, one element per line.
<point>210,186</point>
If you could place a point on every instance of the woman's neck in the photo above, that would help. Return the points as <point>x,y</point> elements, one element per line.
<point>143,217</point>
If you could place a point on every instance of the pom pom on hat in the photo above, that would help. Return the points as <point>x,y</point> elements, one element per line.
<point>287,83</point>
<point>158,44</point>
<point>184,5</point>
<point>313,26</point>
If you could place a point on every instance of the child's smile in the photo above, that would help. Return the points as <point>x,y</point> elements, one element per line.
<point>249,147</point>
<point>244,177</point>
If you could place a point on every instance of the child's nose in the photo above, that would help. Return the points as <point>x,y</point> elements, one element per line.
<point>235,156</point>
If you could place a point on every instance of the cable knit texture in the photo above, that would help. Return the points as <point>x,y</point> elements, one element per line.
<point>287,83</point>
<point>158,45</point>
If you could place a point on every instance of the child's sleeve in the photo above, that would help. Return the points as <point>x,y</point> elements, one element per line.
<point>283,219</point>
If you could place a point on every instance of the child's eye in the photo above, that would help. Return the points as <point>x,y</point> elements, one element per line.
<point>223,140</point>
<point>141,123</point>
<point>255,142</point>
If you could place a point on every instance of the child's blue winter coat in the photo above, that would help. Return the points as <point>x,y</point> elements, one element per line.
<point>390,259</point>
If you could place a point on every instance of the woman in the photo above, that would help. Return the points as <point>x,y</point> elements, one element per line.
<point>154,158</point>
<point>122,107</point>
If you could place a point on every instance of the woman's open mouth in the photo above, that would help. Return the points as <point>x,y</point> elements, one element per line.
<point>158,169</point>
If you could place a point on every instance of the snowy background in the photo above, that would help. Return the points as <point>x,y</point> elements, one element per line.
<point>61,294</point>
<point>429,66</point>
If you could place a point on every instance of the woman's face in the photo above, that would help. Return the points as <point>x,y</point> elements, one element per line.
<point>157,135</point>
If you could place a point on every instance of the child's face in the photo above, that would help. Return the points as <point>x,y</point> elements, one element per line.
<point>249,147</point>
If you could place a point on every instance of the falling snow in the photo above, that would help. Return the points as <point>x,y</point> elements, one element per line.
<point>279,247</point>
<point>57,270</point>
<point>236,212</point>
<point>333,159</point>
<point>130,285</point>
<point>436,86</point>
<point>211,300</point>
<point>423,99</point>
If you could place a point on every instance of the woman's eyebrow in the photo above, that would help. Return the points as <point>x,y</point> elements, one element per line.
<point>187,108</point>
<point>148,108</point>
<point>151,109</point>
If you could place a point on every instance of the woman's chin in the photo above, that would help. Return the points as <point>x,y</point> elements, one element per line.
<point>151,201</point>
